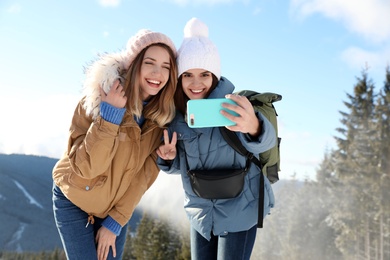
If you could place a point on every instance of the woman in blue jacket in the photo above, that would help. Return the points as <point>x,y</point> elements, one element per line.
<point>220,228</point>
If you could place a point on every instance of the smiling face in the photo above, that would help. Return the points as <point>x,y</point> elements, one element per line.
<point>196,83</point>
<point>154,72</point>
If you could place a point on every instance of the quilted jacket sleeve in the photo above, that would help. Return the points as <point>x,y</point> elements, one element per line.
<point>92,144</point>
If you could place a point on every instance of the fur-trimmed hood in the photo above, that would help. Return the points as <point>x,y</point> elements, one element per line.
<point>110,67</point>
<point>102,73</point>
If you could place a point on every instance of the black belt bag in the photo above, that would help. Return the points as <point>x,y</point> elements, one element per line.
<point>218,184</point>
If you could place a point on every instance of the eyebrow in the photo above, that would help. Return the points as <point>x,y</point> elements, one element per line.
<point>150,58</point>
<point>202,72</point>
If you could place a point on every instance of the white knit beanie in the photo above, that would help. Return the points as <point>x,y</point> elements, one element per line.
<point>197,51</point>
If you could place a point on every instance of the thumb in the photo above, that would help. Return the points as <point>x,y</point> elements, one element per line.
<point>97,237</point>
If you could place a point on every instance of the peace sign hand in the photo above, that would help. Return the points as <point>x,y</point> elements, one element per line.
<point>167,151</point>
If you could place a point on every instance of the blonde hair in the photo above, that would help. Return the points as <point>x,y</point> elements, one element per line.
<point>160,108</point>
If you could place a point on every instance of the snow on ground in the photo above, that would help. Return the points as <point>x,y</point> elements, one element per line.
<point>28,196</point>
<point>16,238</point>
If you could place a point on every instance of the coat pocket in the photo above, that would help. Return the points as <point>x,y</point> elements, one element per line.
<point>86,184</point>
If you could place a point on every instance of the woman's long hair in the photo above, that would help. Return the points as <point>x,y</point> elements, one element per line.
<point>160,108</point>
<point>181,98</point>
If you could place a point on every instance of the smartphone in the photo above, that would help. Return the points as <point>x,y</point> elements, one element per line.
<point>206,112</point>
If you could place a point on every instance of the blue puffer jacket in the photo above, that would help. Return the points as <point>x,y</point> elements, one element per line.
<point>205,148</point>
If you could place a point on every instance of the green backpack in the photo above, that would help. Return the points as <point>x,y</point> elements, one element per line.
<point>269,161</point>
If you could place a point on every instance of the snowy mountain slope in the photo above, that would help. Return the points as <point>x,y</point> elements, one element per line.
<point>26,215</point>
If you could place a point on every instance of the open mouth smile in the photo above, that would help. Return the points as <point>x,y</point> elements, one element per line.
<point>196,91</point>
<point>154,82</point>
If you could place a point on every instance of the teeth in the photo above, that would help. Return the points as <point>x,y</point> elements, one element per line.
<point>154,82</point>
<point>197,91</point>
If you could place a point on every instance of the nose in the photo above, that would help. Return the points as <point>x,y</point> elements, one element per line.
<point>156,70</point>
<point>196,81</point>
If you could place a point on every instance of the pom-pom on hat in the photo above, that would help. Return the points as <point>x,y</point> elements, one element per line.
<point>197,51</point>
<point>142,39</point>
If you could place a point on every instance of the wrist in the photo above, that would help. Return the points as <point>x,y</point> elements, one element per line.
<point>112,225</point>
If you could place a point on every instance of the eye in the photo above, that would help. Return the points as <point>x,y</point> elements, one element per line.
<point>206,74</point>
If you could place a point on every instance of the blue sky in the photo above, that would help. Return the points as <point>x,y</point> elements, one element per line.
<point>309,51</point>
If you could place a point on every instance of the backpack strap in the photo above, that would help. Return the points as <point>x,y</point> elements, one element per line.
<point>232,139</point>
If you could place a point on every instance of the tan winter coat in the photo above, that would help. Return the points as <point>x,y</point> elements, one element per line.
<point>107,168</point>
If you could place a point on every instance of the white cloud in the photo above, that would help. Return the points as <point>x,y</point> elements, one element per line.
<point>110,3</point>
<point>369,18</point>
<point>358,58</point>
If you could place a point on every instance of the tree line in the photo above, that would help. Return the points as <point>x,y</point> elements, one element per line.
<point>345,212</point>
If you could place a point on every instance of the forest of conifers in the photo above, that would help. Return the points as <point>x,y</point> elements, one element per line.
<point>343,214</point>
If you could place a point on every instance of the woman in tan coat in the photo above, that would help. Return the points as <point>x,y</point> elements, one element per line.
<point>110,160</point>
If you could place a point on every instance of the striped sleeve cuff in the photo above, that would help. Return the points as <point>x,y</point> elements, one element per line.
<point>112,225</point>
<point>111,114</point>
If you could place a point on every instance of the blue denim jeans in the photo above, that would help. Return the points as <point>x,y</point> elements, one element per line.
<point>233,246</point>
<point>77,239</point>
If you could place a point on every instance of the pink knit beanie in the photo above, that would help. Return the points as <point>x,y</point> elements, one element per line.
<point>197,51</point>
<point>142,39</point>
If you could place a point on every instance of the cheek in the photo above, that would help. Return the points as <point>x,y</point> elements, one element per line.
<point>185,86</point>
<point>143,70</point>
<point>208,83</point>
<point>166,74</point>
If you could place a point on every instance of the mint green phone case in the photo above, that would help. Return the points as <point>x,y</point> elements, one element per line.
<point>206,113</point>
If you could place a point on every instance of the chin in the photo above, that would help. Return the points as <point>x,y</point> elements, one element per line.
<point>154,92</point>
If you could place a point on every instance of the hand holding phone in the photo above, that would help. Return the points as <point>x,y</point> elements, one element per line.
<point>206,113</point>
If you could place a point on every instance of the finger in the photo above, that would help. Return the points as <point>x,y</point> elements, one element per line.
<point>113,250</point>
<point>106,251</point>
<point>103,253</point>
<point>99,252</point>
<point>240,100</point>
<point>166,137</point>
<point>114,87</point>
<point>97,238</point>
<point>159,153</point>
<point>236,98</point>
<point>116,84</point>
<point>174,139</point>
<point>230,116</point>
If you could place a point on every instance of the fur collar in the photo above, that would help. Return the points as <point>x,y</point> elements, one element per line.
<point>102,73</point>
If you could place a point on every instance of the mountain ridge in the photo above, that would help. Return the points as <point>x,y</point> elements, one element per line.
<point>26,212</point>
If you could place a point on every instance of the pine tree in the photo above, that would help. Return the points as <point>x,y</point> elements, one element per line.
<point>141,242</point>
<point>356,167</point>
<point>184,252</point>
<point>128,249</point>
<point>382,216</point>
<point>155,239</point>
<point>164,241</point>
